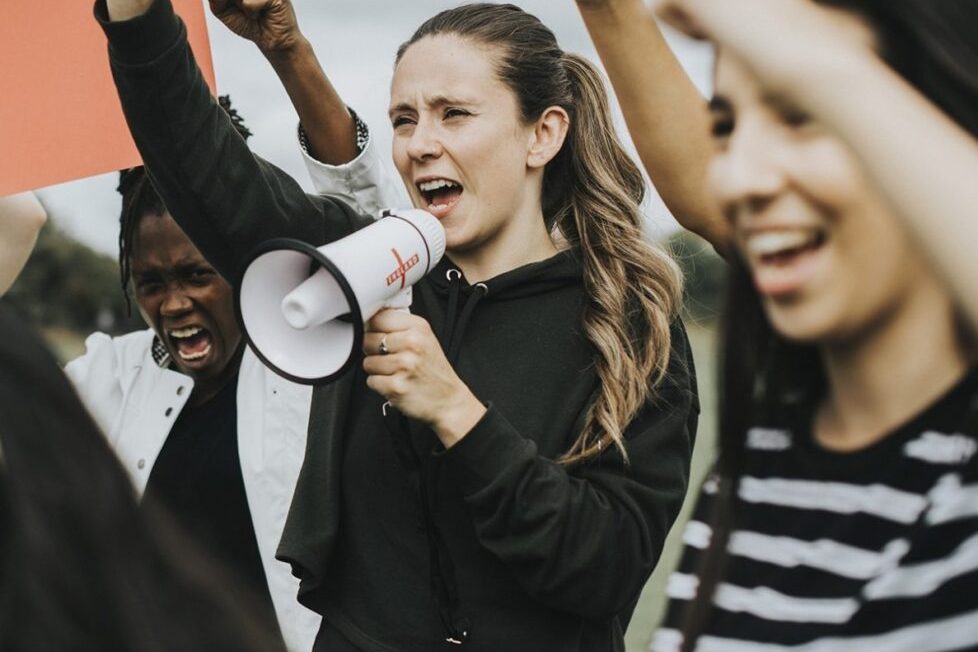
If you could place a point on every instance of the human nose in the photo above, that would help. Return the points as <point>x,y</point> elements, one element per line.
<point>748,173</point>
<point>175,301</point>
<point>423,143</point>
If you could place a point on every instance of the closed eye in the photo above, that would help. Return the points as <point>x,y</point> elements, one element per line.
<point>401,120</point>
<point>795,118</point>
<point>721,118</point>
<point>721,127</point>
<point>146,287</point>
<point>455,112</point>
<point>201,276</point>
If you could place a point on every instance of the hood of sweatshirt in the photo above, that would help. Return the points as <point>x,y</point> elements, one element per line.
<point>460,298</point>
<point>563,268</point>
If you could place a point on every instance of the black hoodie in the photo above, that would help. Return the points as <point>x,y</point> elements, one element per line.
<point>521,552</point>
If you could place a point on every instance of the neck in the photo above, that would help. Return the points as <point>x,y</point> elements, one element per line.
<point>206,389</point>
<point>522,240</point>
<point>881,380</point>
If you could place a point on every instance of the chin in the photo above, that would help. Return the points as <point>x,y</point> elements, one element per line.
<point>804,324</point>
<point>457,241</point>
<point>201,372</point>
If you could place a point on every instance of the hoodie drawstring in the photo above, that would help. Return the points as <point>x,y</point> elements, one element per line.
<point>454,329</point>
<point>444,588</point>
<point>442,569</point>
<point>479,290</point>
<point>454,284</point>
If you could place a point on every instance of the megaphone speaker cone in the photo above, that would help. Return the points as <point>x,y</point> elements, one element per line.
<point>323,350</point>
<point>316,300</point>
<point>292,295</point>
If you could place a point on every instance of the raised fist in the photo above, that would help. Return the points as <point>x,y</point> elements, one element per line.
<point>270,24</point>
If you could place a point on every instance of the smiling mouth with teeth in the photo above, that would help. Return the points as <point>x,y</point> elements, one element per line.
<point>781,247</point>
<point>192,343</point>
<point>440,195</point>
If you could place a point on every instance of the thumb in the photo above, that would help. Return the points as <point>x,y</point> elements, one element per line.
<point>253,8</point>
<point>218,6</point>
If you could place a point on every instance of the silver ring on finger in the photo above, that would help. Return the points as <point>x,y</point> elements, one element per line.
<point>383,346</point>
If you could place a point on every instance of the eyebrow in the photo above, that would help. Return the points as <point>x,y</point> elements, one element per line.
<point>182,268</point>
<point>435,102</point>
<point>780,103</point>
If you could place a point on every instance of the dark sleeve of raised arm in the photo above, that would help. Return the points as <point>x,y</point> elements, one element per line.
<point>583,540</point>
<point>224,197</point>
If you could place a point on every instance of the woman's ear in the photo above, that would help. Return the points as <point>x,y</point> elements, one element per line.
<point>548,136</point>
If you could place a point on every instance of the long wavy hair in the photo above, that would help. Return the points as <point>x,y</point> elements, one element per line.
<point>82,566</point>
<point>765,378</point>
<point>591,195</point>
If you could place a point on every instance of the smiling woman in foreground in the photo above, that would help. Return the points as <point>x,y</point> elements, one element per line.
<point>842,512</point>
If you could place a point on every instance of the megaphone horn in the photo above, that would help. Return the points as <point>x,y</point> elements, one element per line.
<point>303,308</point>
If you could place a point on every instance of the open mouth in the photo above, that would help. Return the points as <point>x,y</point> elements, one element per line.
<point>784,260</point>
<point>192,343</point>
<point>440,195</point>
<point>783,247</point>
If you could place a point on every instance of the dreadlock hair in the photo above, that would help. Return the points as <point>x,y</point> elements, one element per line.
<point>140,198</point>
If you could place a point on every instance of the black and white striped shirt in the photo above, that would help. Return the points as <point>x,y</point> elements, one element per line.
<point>875,550</point>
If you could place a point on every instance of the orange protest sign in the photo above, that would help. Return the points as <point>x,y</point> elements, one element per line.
<point>60,117</point>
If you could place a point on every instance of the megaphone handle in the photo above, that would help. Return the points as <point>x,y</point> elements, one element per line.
<point>400,301</point>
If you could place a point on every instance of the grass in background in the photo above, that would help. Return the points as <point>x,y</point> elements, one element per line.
<point>651,605</point>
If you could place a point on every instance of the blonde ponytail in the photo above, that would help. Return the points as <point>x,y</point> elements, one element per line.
<point>633,287</point>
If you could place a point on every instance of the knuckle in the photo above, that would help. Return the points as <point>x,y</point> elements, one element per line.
<point>414,341</point>
<point>412,361</point>
<point>398,387</point>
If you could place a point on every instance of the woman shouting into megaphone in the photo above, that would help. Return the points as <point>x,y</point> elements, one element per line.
<point>519,494</point>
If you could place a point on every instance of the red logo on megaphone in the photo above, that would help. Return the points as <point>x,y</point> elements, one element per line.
<point>400,272</point>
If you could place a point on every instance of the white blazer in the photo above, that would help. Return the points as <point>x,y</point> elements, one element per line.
<point>136,402</point>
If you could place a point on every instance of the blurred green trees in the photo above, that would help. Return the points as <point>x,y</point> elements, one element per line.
<point>705,275</point>
<point>66,285</point>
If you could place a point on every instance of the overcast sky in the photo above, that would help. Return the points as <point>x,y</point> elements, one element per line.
<point>356,41</point>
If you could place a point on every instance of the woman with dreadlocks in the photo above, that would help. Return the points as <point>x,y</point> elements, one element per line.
<point>203,428</point>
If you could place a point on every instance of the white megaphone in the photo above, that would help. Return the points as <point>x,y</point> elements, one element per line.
<point>303,308</point>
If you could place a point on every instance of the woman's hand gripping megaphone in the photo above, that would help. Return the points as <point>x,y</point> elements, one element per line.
<point>412,372</point>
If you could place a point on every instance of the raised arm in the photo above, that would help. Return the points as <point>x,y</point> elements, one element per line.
<point>224,197</point>
<point>126,9</point>
<point>665,113</point>
<point>338,150</point>
<point>272,26</point>
<point>928,172</point>
<point>21,219</point>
